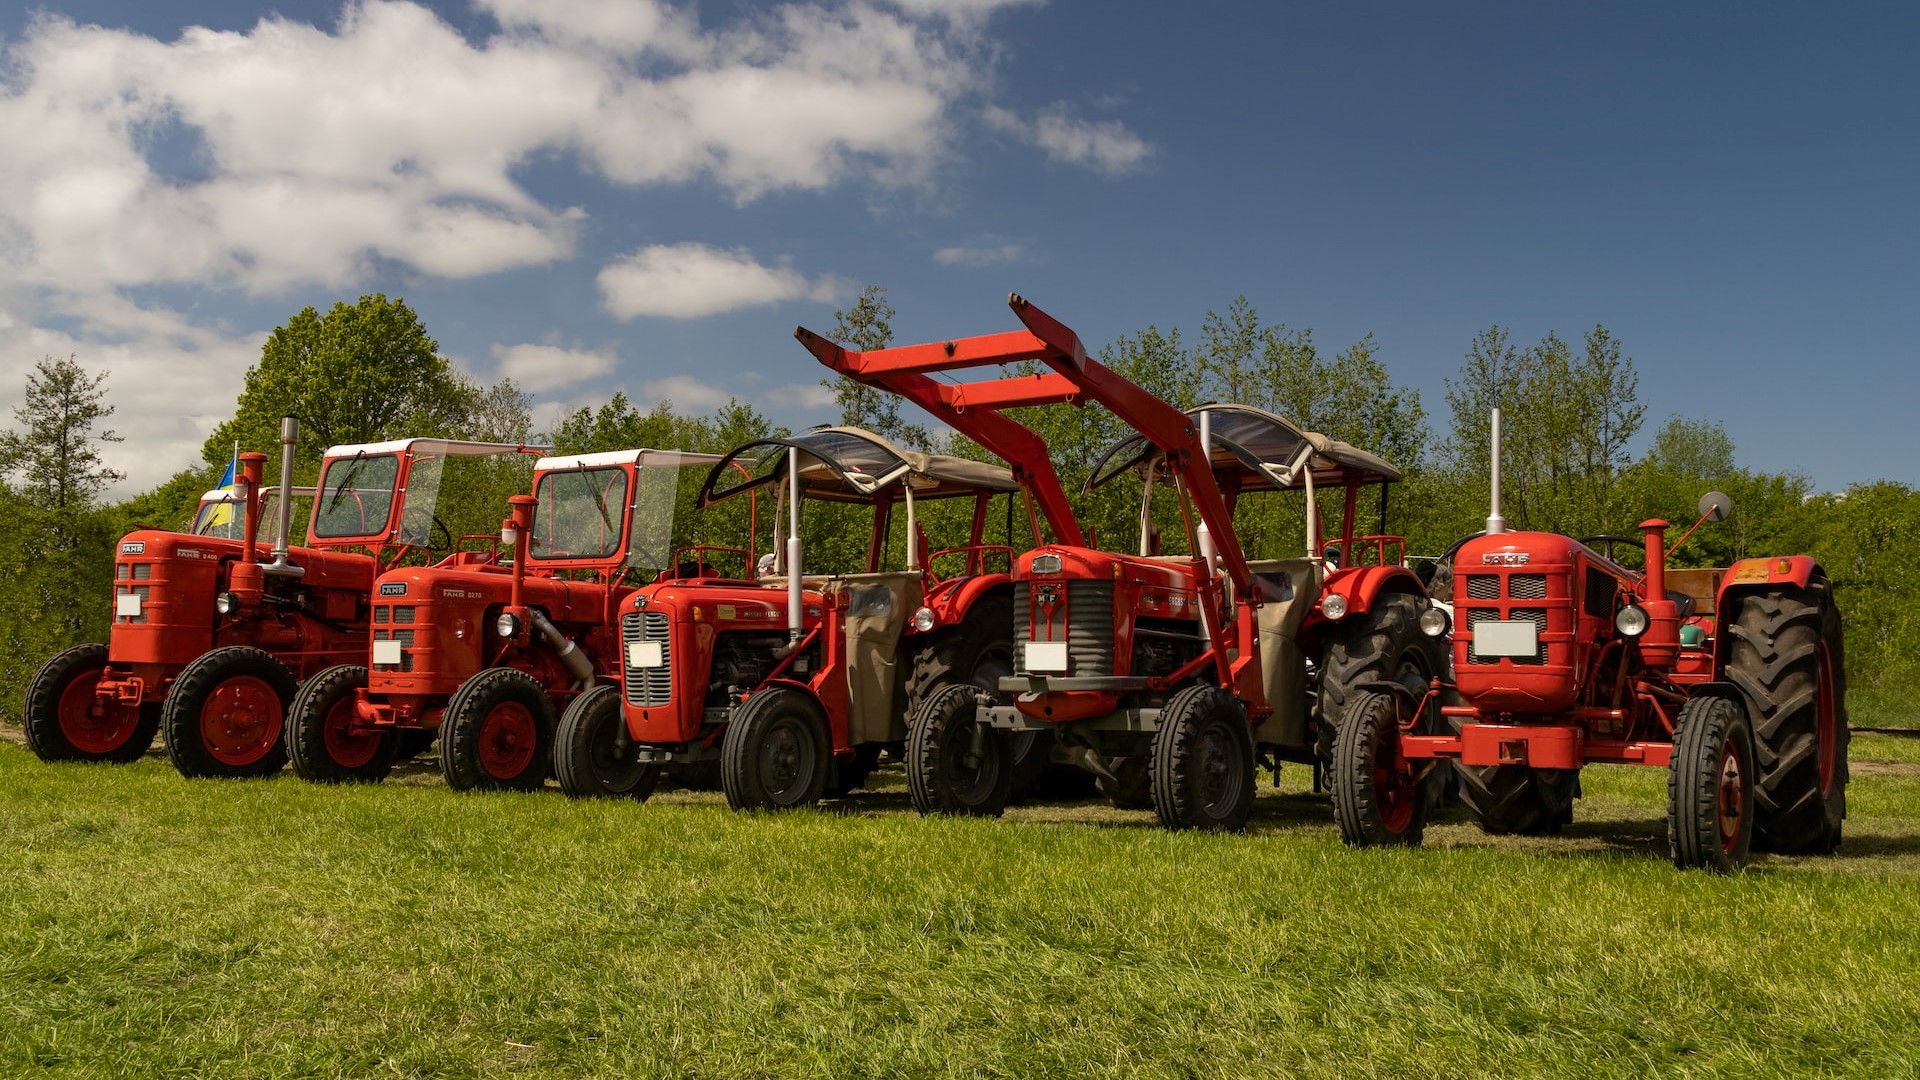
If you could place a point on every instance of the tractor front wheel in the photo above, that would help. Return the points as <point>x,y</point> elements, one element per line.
<point>955,764</point>
<point>1710,807</point>
<point>588,755</point>
<point>322,743</point>
<point>67,722</point>
<point>1202,768</point>
<point>498,733</point>
<point>776,752</point>
<point>1378,798</point>
<point>226,715</point>
<point>1382,644</point>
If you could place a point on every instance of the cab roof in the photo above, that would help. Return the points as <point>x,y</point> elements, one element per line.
<point>642,457</point>
<point>847,464</point>
<point>1261,447</point>
<point>446,447</point>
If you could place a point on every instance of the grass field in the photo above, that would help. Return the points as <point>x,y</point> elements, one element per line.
<point>154,927</point>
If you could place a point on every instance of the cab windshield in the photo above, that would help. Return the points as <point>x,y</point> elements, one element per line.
<point>227,517</point>
<point>580,514</point>
<point>356,496</point>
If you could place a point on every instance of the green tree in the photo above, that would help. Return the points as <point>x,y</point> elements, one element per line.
<point>55,461</point>
<point>865,326</point>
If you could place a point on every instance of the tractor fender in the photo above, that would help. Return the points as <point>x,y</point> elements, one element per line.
<point>1361,585</point>
<point>1386,686</point>
<point>950,605</point>
<point>1751,576</point>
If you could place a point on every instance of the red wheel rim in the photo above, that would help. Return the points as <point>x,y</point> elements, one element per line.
<point>1827,732</point>
<point>1733,804</point>
<point>92,725</point>
<point>240,723</point>
<point>508,738</point>
<point>348,748</point>
<point>1393,788</point>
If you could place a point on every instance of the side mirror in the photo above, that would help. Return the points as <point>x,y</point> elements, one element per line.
<point>1715,506</point>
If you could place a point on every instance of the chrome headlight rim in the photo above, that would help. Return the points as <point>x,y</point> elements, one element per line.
<point>1334,606</point>
<point>1435,622</point>
<point>507,625</point>
<point>923,620</point>
<point>1632,621</point>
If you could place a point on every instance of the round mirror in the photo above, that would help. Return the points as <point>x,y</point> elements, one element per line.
<point>1715,506</point>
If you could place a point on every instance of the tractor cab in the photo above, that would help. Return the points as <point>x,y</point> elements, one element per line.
<point>797,680</point>
<point>385,497</point>
<point>222,511</point>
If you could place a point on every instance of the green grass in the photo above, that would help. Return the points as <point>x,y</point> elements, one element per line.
<point>151,926</point>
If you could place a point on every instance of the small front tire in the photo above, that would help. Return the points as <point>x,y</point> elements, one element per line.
<point>1378,796</point>
<point>1710,807</point>
<point>322,743</point>
<point>587,756</point>
<point>65,721</point>
<point>1202,771</point>
<point>954,764</point>
<point>776,752</point>
<point>498,733</point>
<point>226,715</point>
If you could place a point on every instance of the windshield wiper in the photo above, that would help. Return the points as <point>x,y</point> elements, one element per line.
<point>353,469</point>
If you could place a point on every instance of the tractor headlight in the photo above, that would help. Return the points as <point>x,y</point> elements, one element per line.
<point>923,619</point>
<point>508,624</point>
<point>1334,607</point>
<point>226,603</point>
<point>1632,620</point>
<point>1434,622</point>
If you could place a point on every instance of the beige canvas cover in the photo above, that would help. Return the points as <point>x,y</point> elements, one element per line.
<point>1291,587</point>
<point>878,607</point>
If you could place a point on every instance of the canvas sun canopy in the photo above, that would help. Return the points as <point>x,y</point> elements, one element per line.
<point>1262,448</point>
<point>844,464</point>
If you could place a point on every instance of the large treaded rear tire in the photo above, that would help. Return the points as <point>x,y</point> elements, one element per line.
<point>226,715</point>
<point>320,744</point>
<point>1382,644</point>
<point>64,723</point>
<point>1514,800</point>
<point>1787,659</point>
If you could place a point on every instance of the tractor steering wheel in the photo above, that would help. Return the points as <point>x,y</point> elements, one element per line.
<point>1608,540</point>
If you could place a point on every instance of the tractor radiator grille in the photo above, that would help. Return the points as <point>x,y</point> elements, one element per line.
<point>403,614</point>
<point>1599,593</point>
<point>144,592</point>
<point>405,638</point>
<point>1527,587</point>
<point>653,685</point>
<point>1483,587</point>
<point>1536,616</point>
<point>1089,616</point>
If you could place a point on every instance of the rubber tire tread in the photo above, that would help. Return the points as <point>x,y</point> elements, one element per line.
<point>1366,648</point>
<point>573,741</point>
<point>1355,808</point>
<point>306,731</point>
<point>470,704</point>
<point>42,719</point>
<point>180,713</point>
<point>953,653</point>
<point>1775,662</point>
<point>945,716</point>
<point>1185,718</point>
<point>738,750</point>
<point>1693,785</point>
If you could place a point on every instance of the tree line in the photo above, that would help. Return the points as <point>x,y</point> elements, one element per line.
<point>368,371</point>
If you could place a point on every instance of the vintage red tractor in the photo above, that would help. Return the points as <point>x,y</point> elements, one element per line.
<point>209,643</point>
<point>795,683</point>
<point>1163,675</point>
<point>1733,680</point>
<point>485,654</point>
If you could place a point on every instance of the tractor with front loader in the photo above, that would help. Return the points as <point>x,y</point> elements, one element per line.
<point>209,642</point>
<point>1732,679</point>
<point>1166,676</point>
<point>797,682</point>
<point>484,654</point>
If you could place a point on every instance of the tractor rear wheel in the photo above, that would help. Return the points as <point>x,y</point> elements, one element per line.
<point>776,752</point>
<point>498,733</point>
<point>956,765</point>
<point>587,756</point>
<point>1710,804</point>
<point>1202,769</point>
<point>322,744</point>
<point>1379,798</point>
<point>1381,644</point>
<point>66,722</point>
<point>226,715</point>
<point>1787,659</point>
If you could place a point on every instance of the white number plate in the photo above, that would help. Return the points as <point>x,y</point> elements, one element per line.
<point>1505,639</point>
<point>127,603</point>
<point>645,654</point>
<point>386,652</point>
<point>1047,656</point>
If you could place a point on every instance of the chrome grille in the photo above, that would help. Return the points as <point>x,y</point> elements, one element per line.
<point>143,571</point>
<point>1527,587</point>
<point>1483,587</point>
<point>380,614</point>
<point>647,686</point>
<point>1089,617</point>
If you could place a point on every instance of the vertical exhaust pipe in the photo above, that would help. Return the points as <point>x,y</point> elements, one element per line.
<point>1495,523</point>
<point>795,604</point>
<point>283,513</point>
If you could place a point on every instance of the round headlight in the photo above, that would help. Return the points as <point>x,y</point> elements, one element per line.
<point>1434,622</point>
<point>226,603</point>
<point>1631,621</point>
<point>508,624</point>
<point>1334,606</point>
<point>923,619</point>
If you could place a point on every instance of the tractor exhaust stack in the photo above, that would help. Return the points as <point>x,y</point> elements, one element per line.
<point>1495,523</point>
<point>283,526</point>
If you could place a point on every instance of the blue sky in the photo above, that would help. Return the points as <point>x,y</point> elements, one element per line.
<point>639,195</point>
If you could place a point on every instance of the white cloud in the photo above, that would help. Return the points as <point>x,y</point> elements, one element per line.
<point>689,281</point>
<point>539,368</point>
<point>1105,146</point>
<point>980,256</point>
<point>686,392</point>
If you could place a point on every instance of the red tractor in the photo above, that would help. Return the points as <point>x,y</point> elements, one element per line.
<point>209,643</point>
<point>484,654</point>
<point>796,682</point>
<point>1733,680</point>
<point>1163,675</point>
